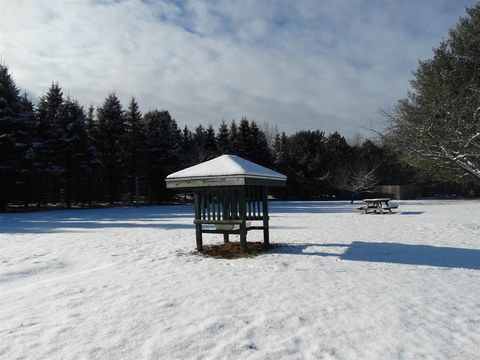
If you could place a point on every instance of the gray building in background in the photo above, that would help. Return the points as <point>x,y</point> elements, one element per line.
<point>400,192</point>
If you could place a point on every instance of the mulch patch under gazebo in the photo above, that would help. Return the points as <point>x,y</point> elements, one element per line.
<point>233,250</point>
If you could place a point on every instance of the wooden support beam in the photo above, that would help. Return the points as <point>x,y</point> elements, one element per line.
<point>235,204</point>
<point>215,231</point>
<point>266,235</point>
<point>207,196</point>
<point>255,228</point>
<point>243,225</point>
<point>198,226</point>
<point>235,232</point>
<point>220,222</point>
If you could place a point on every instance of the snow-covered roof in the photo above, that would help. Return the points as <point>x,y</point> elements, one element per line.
<point>225,170</point>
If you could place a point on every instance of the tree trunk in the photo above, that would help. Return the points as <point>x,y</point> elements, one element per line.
<point>353,197</point>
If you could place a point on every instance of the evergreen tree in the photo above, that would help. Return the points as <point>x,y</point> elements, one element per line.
<point>94,161</point>
<point>48,144</point>
<point>233,138</point>
<point>90,121</point>
<point>223,140</point>
<point>25,167</point>
<point>259,149</point>
<point>277,153</point>
<point>162,143</point>
<point>437,126</point>
<point>14,139</point>
<point>337,151</point>
<point>199,136</point>
<point>135,134</point>
<point>110,142</point>
<point>210,144</point>
<point>280,159</point>
<point>280,153</point>
<point>199,154</point>
<point>73,158</point>
<point>391,170</point>
<point>369,153</point>
<point>309,170</point>
<point>244,139</point>
<point>186,148</point>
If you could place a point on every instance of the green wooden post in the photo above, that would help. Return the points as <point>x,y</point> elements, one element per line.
<point>266,239</point>
<point>225,216</point>
<point>207,203</point>
<point>243,225</point>
<point>198,216</point>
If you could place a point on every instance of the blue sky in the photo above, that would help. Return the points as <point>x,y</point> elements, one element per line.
<point>304,64</point>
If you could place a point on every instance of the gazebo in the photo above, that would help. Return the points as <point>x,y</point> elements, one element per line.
<point>230,192</point>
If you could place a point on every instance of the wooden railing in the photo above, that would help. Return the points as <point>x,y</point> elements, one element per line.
<point>224,205</point>
<point>235,206</point>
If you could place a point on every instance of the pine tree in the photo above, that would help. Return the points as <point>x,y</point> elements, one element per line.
<point>13,137</point>
<point>186,148</point>
<point>280,153</point>
<point>135,134</point>
<point>73,158</point>
<point>281,160</point>
<point>110,142</point>
<point>162,142</point>
<point>233,138</point>
<point>48,144</point>
<point>25,167</point>
<point>210,144</point>
<point>337,151</point>
<point>199,145</point>
<point>259,149</point>
<point>90,120</point>
<point>94,162</point>
<point>437,126</point>
<point>244,139</point>
<point>223,140</point>
<point>308,168</point>
<point>199,136</point>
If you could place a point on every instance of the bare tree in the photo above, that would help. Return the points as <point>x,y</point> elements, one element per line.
<point>357,178</point>
<point>270,132</point>
<point>356,139</point>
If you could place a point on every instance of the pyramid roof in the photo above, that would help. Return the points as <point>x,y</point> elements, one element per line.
<point>225,170</point>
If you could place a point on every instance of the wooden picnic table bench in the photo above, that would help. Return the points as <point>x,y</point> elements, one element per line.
<point>377,206</point>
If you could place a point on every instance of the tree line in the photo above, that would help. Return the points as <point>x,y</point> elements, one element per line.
<point>58,152</point>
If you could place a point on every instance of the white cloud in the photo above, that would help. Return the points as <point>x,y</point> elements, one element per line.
<point>303,64</point>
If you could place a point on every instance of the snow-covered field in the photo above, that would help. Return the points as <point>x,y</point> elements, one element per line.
<point>123,284</point>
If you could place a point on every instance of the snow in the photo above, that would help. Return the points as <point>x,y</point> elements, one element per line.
<point>123,284</point>
<point>227,165</point>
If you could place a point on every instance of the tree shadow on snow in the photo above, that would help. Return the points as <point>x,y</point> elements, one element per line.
<point>395,253</point>
<point>161,217</point>
<point>312,207</point>
<point>156,217</point>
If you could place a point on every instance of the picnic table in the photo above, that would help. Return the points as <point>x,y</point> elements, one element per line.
<point>377,206</point>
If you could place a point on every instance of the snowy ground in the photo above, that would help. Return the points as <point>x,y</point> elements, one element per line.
<point>122,284</point>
